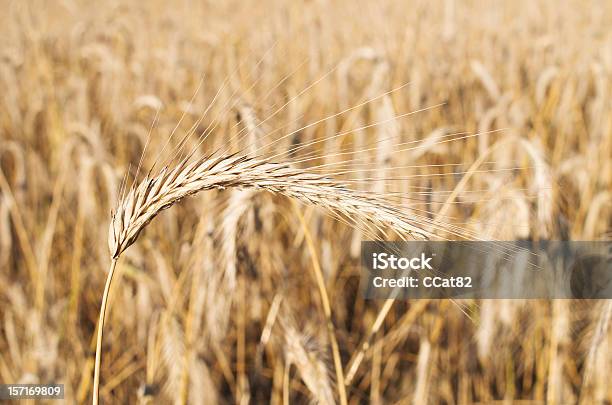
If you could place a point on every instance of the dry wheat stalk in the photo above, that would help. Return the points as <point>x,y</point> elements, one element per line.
<point>154,194</point>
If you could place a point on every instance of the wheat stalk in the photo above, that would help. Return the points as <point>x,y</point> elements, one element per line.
<point>154,194</point>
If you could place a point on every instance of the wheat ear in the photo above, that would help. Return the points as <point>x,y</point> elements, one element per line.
<point>154,194</point>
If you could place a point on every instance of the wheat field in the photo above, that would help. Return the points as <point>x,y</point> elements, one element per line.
<point>226,159</point>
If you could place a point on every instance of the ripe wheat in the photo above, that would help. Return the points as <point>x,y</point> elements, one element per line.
<point>153,194</point>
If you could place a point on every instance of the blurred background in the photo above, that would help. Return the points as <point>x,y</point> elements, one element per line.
<point>217,302</point>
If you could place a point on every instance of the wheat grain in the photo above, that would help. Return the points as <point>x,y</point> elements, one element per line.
<point>154,194</point>
<point>302,351</point>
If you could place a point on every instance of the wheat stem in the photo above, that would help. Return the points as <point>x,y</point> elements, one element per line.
<point>96,382</point>
<point>326,307</point>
